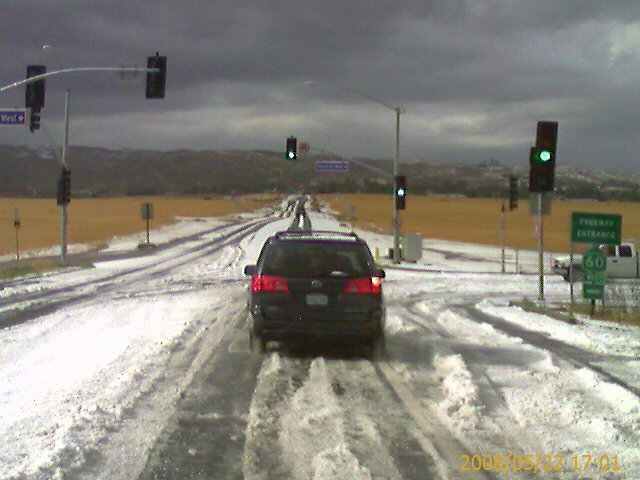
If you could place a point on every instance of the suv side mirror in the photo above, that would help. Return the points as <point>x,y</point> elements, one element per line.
<point>380,273</point>
<point>249,269</point>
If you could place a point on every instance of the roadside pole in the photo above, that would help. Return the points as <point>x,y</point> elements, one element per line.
<point>395,218</point>
<point>540,220</point>
<point>571,269</point>
<point>63,208</point>
<point>16,226</point>
<point>502,262</point>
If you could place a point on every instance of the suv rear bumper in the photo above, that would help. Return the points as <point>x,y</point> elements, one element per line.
<point>303,329</point>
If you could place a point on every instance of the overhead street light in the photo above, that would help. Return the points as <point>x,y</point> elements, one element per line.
<point>398,110</point>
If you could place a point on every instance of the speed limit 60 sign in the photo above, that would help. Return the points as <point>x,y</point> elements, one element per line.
<point>594,265</point>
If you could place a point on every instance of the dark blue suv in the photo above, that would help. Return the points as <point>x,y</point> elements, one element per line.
<point>316,285</point>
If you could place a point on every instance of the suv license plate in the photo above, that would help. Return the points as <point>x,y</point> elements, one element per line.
<point>317,299</point>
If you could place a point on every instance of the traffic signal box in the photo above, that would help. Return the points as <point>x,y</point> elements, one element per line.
<point>291,152</point>
<point>401,192</point>
<point>542,158</point>
<point>156,81</point>
<point>34,95</point>
<point>64,187</point>
<point>513,192</point>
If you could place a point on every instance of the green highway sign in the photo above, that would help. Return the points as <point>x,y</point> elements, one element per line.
<point>596,228</point>
<point>594,265</point>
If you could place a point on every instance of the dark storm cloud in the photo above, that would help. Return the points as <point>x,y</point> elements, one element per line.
<point>473,75</point>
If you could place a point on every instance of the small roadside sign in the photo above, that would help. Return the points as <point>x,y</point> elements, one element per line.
<point>534,203</point>
<point>332,166</point>
<point>304,147</point>
<point>596,228</point>
<point>594,265</point>
<point>16,218</point>
<point>13,116</point>
<point>146,211</point>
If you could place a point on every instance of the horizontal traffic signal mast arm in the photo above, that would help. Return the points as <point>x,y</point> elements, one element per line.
<point>77,69</point>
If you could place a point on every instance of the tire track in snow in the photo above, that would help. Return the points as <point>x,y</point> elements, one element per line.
<point>462,398</point>
<point>529,389</point>
<point>575,356</point>
<point>29,306</point>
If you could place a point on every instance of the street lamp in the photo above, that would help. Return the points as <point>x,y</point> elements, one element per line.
<point>395,220</point>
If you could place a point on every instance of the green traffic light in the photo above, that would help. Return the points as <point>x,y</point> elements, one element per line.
<point>541,156</point>
<point>291,155</point>
<point>401,192</point>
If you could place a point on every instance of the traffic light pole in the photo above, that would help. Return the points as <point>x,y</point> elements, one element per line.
<point>77,69</point>
<point>540,249</point>
<point>63,208</point>
<point>396,219</point>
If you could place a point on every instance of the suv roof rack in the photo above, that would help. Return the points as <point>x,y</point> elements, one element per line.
<point>315,233</point>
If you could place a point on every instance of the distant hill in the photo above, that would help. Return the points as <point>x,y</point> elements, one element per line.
<point>98,172</point>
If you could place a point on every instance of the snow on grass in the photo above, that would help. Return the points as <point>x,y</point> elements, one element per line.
<point>570,417</point>
<point>602,337</point>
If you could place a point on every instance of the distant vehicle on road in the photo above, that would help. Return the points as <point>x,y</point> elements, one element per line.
<point>316,285</point>
<point>622,262</point>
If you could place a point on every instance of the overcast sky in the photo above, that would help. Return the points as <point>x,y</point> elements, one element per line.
<point>473,75</point>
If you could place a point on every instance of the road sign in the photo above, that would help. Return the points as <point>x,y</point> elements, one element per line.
<point>146,211</point>
<point>596,228</point>
<point>332,166</point>
<point>534,203</point>
<point>13,116</point>
<point>594,265</point>
<point>304,147</point>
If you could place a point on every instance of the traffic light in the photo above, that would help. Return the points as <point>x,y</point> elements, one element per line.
<point>292,148</point>
<point>401,192</point>
<point>542,158</point>
<point>513,192</point>
<point>64,187</point>
<point>156,81</point>
<point>34,121</point>
<point>34,93</point>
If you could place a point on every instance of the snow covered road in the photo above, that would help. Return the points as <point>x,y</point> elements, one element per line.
<point>140,368</point>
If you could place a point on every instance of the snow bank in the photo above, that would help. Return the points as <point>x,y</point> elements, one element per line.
<point>460,408</point>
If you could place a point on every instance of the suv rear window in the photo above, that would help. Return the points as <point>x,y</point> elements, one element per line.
<point>317,259</point>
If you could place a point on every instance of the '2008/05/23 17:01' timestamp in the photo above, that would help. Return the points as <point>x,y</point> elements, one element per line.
<point>535,463</point>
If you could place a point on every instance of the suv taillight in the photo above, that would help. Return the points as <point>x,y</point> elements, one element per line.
<point>268,283</point>
<point>362,285</point>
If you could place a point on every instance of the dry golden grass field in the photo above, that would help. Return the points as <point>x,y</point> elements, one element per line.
<point>461,219</point>
<point>477,220</point>
<point>98,220</point>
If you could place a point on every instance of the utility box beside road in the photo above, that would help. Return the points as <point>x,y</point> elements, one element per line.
<point>411,246</point>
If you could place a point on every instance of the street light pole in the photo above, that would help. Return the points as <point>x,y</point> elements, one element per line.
<point>63,207</point>
<point>395,220</point>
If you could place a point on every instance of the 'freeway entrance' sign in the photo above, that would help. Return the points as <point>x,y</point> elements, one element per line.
<point>332,166</point>
<point>14,116</point>
<point>594,264</point>
<point>596,228</point>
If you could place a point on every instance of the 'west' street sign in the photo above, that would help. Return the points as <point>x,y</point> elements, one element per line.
<point>15,116</point>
